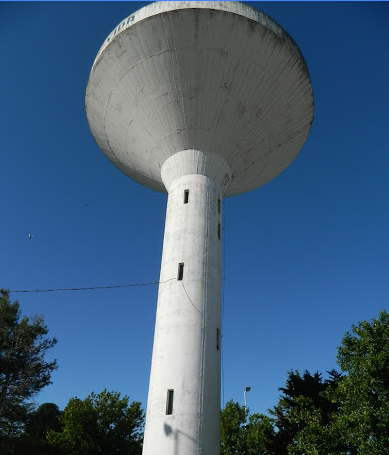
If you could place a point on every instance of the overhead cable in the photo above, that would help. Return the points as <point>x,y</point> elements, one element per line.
<point>118,286</point>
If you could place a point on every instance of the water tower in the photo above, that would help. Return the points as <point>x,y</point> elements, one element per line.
<point>200,100</point>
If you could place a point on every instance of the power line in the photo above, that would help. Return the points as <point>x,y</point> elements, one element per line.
<point>189,298</point>
<point>118,286</point>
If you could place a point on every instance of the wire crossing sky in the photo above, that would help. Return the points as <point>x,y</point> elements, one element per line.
<point>93,288</point>
<point>305,256</point>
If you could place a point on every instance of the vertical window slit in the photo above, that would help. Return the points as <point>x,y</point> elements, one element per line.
<point>180,271</point>
<point>186,196</point>
<point>219,205</point>
<point>218,230</point>
<point>169,402</point>
<point>217,339</point>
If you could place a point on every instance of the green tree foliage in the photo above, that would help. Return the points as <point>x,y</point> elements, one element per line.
<point>232,432</point>
<point>237,438</point>
<point>346,414</point>
<point>316,435</point>
<point>364,391</point>
<point>303,403</point>
<point>103,424</point>
<point>23,370</point>
<point>311,438</point>
<point>33,440</point>
<point>260,435</point>
<point>358,423</point>
<point>44,419</point>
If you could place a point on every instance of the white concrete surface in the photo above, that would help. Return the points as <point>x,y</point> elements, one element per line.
<point>213,98</point>
<point>216,76</point>
<point>231,7</point>
<point>186,357</point>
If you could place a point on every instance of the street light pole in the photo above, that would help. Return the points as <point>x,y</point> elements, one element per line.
<point>247,389</point>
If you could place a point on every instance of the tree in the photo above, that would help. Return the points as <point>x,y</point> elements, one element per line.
<point>358,423</point>
<point>23,370</point>
<point>237,438</point>
<point>346,414</point>
<point>364,391</point>
<point>260,435</point>
<point>44,419</point>
<point>102,424</point>
<point>33,440</point>
<point>38,424</point>
<point>304,403</point>
<point>232,436</point>
<point>316,435</point>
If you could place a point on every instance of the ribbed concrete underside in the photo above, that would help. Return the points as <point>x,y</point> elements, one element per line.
<point>224,80</point>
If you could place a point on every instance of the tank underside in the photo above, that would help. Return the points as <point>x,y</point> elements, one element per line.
<point>218,77</point>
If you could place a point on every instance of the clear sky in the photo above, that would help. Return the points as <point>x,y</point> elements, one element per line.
<point>305,256</point>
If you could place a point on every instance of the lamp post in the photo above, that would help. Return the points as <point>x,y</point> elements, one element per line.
<point>246,389</point>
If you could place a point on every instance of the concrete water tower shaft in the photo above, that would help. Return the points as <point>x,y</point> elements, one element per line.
<point>200,100</point>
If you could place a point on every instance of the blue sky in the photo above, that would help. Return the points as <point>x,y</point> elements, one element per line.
<point>306,256</point>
